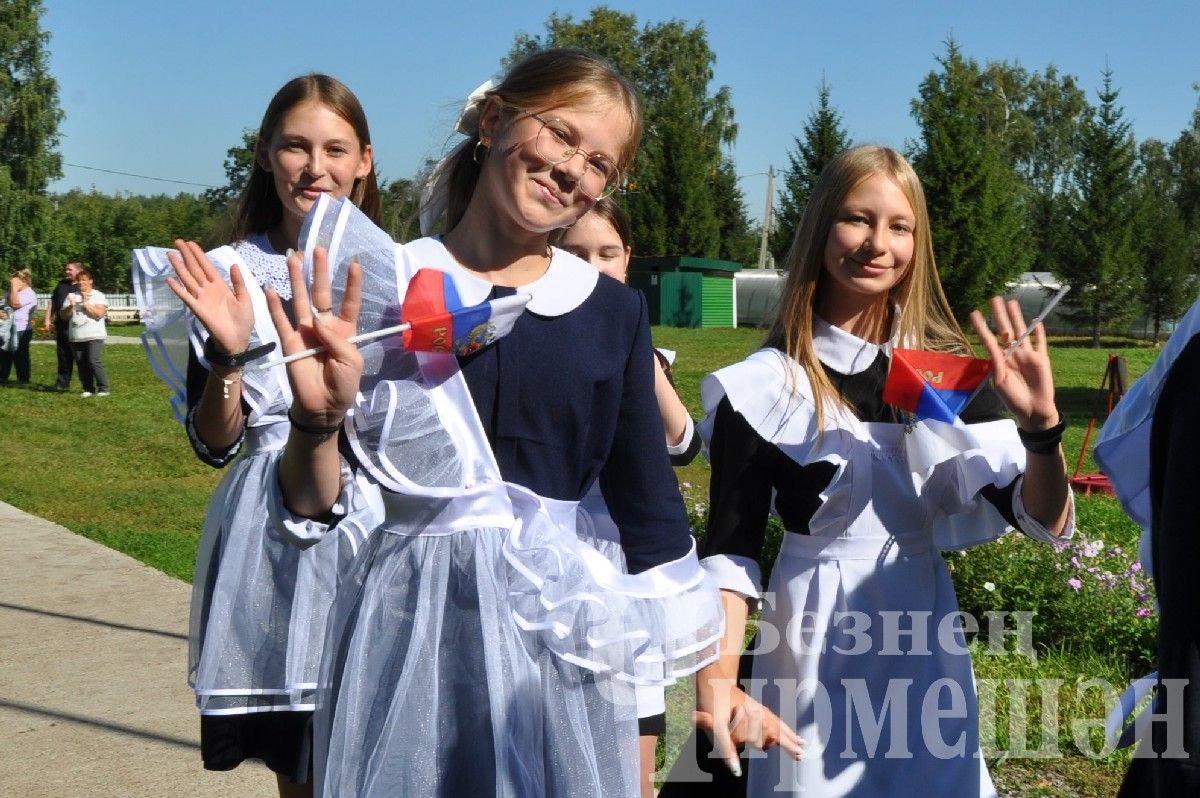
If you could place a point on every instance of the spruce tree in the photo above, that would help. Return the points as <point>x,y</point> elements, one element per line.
<point>824,137</point>
<point>975,198</point>
<point>1185,157</point>
<point>1055,107</point>
<point>1101,266</point>
<point>1160,238</point>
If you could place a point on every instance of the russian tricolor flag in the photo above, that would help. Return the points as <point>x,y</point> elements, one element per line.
<point>933,385</point>
<point>440,323</point>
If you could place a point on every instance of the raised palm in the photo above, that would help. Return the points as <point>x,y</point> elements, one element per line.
<point>323,385</point>
<point>225,312</point>
<point>1022,374</point>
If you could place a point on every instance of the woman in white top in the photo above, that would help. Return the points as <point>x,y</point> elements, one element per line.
<point>85,311</point>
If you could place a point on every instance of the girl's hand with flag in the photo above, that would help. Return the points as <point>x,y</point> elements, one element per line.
<point>1022,376</point>
<point>324,385</point>
<point>1021,372</point>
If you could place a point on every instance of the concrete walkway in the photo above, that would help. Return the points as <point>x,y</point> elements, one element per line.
<point>93,698</point>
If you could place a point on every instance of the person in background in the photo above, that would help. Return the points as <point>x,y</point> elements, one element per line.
<point>53,320</point>
<point>84,312</point>
<point>602,238</point>
<point>21,301</point>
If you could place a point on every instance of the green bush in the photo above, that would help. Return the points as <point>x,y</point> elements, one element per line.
<point>1088,594</point>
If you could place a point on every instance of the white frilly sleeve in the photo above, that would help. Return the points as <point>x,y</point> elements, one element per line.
<point>173,332</point>
<point>983,455</point>
<point>648,628</point>
<point>358,510</point>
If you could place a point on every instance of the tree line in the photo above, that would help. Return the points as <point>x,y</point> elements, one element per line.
<point>1022,171</point>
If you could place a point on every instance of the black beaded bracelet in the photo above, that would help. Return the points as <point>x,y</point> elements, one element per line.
<point>309,429</point>
<point>1045,441</point>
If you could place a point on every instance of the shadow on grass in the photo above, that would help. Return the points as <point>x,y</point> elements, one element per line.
<point>1106,342</point>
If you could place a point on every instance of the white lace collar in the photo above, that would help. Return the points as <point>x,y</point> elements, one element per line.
<point>568,281</point>
<point>845,352</point>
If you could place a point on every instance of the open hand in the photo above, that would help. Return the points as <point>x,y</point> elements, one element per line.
<point>323,385</point>
<point>734,720</point>
<point>227,314</point>
<point>1021,374</point>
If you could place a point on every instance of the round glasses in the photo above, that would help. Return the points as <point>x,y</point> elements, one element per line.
<point>600,177</point>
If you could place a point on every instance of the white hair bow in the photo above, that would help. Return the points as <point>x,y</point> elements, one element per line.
<point>435,195</point>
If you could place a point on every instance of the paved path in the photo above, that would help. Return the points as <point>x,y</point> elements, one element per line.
<point>92,693</point>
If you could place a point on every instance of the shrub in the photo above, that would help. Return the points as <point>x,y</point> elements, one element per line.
<point>1088,594</point>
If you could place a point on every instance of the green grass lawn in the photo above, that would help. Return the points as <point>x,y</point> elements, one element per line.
<point>119,470</point>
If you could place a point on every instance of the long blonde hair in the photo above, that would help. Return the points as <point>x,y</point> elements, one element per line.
<point>925,319</point>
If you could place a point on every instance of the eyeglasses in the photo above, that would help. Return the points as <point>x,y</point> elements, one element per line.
<point>600,178</point>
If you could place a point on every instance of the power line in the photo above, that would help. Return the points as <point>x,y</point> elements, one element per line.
<point>143,177</point>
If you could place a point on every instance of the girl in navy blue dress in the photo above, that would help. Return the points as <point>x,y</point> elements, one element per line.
<point>479,646</point>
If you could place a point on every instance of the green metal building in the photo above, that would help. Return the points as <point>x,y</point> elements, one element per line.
<point>687,292</point>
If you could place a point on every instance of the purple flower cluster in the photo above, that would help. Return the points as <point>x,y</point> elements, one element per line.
<point>1090,561</point>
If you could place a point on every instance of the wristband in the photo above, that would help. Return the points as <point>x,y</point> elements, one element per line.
<point>213,354</point>
<point>1046,441</point>
<point>316,431</point>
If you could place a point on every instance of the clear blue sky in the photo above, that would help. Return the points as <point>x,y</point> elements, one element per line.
<point>163,87</point>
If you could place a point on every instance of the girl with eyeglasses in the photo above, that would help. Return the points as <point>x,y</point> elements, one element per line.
<point>480,647</point>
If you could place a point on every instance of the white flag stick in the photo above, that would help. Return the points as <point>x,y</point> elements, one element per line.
<point>354,339</point>
<point>1038,319</point>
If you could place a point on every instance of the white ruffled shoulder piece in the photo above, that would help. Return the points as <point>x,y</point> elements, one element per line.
<point>954,461</point>
<point>773,394</point>
<point>172,331</point>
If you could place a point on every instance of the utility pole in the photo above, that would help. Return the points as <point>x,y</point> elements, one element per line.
<point>768,219</point>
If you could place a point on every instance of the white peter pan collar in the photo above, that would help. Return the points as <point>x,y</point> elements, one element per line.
<point>845,352</point>
<point>568,281</point>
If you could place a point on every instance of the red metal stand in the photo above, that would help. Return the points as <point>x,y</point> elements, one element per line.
<point>1115,376</point>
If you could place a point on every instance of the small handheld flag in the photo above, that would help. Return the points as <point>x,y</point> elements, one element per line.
<point>436,321</point>
<point>933,385</point>
<point>439,322</point>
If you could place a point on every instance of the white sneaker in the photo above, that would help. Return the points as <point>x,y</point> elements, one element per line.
<point>86,395</point>
<point>102,393</point>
